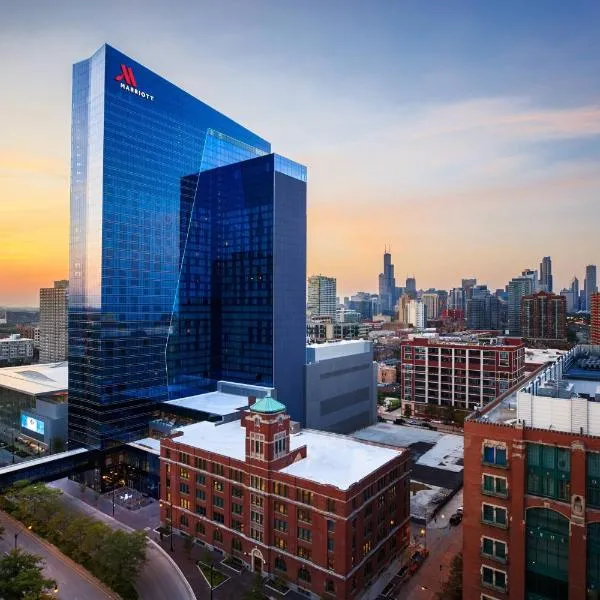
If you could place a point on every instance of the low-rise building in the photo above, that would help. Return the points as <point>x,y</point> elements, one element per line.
<point>532,486</point>
<point>386,373</point>
<point>326,512</point>
<point>340,386</point>
<point>462,374</point>
<point>15,350</point>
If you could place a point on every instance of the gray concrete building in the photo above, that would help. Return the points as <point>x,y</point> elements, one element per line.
<point>340,386</point>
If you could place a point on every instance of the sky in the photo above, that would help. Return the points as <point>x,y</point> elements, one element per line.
<point>464,135</point>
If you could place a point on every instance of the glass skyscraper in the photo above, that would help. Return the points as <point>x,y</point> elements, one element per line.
<point>188,253</point>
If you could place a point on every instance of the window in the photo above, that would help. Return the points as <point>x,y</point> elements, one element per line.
<point>256,500</point>
<point>236,475</point>
<point>330,505</point>
<point>330,544</point>
<point>280,525</point>
<point>236,508</point>
<point>281,444</point>
<point>184,503</point>
<point>304,496</point>
<point>184,474</point>
<point>258,483</point>
<point>256,534</point>
<point>494,455</point>
<point>200,479</point>
<point>236,545</point>
<point>280,507</point>
<point>329,586</point>
<point>184,458</point>
<point>303,515</point>
<point>494,515</point>
<point>218,501</point>
<point>256,517</point>
<point>366,548</point>
<point>493,549</point>
<point>280,489</point>
<point>183,521</point>
<point>257,444</point>
<point>493,578</point>
<point>218,469</point>
<point>200,495</point>
<point>304,574</point>
<point>303,552</point>
<point>218,486</point>
<point>593,479</point>
<point>494,486</point>
<point>235,524</point>
<point>305,534</point>
<point>200,463</point>
<point>200,510</point>
<point>281,543</point>
<point>330,525</point>
<point>280,564</point>
<point>167,453</point>
<point>237,492</point>
<point>549,472</point>
<point>218,517</point>
<point>217,536</point>
<point>184,488</point>
<point>200,529</point>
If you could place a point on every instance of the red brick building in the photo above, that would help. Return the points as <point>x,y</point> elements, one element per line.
<point>595,321</point>
<point>460,374</point>
<point>325,512</point>
<point>544,316</point>
<point>532,494</point>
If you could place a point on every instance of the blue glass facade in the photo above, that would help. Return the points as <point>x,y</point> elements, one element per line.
<point>145,158</point>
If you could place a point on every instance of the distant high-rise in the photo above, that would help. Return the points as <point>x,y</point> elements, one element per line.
<point>544,316</point>
<point>590,285</point>
<point>417,314</point>
<point>456,299</point>
<point>432,302</point>
<point>54,303</point>
<point>467,285</point>
<point>546,274</point>
<point>321,300</point>
<point>518,287</point>
<point>387,286</point>
<point>483,309</point>
<point>411,287</point>
<point>595,320</point>
<point>574,287</point>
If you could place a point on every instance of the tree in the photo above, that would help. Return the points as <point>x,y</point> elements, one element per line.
<point>21,577</point>
<point>449,414</point>
<point>407,411</point>
<point>452,587</point>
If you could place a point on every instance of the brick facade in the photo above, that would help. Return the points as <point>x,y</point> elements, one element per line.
<point>515,499</point>
<point>327,541</point>
<point>465,376</point>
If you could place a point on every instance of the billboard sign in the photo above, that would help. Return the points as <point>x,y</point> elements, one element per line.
<point>32,424</point>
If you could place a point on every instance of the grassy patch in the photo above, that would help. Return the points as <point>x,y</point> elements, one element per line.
<point>217,577</point>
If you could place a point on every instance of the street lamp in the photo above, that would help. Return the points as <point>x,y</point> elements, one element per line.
<point>423,534</point>
<point>17,535</point>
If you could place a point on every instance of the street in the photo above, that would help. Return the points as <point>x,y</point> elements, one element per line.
<point>160,578</point>
<point>443,543</point>
<point>74,582</point>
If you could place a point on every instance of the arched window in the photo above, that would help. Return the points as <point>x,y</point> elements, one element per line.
<point>200,528</point>
<point>280,564</point>
<point>304,574</point>
<point>547,554</point>
<point>217,536</point>
<point>236,544</point>
<point>329,586</point>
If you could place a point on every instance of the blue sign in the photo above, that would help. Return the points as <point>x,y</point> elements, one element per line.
<point>32,424</point>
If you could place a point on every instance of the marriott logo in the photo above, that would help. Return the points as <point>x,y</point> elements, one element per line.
<point>129,84</point>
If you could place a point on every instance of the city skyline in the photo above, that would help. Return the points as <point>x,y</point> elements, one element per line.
<point>498,149</point>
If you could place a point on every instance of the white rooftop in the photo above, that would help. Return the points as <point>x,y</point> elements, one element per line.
<point>329,350</point>
<point>214,403</point>
<point>147,445</point>
<point>36,379</point>
<point>540,357</point>
<point>331,459</point>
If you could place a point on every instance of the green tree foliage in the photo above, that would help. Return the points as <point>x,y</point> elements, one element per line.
<point>452,587</point>
<point>115,557</point>
<point>21,577</point>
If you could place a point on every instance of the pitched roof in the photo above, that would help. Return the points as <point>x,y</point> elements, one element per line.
<point>267,405</point>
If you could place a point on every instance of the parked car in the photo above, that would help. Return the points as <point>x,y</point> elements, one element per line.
<point>456,518</point>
